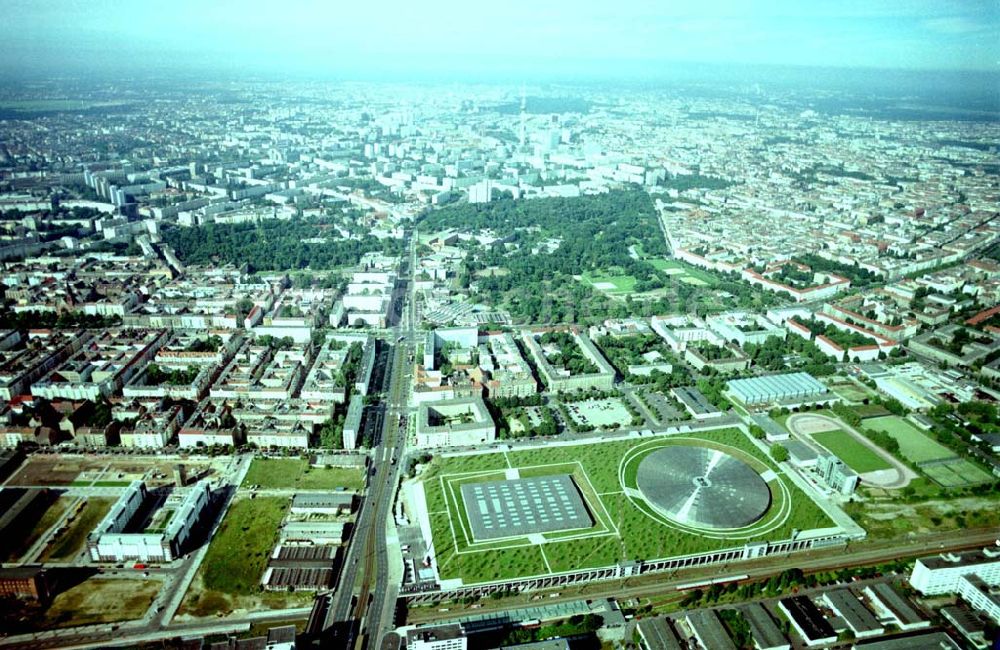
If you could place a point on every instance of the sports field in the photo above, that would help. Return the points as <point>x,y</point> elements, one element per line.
<point>683,272</point>
<point>610,283</point>
<point>850,391</point>
<point>855,454</point>
<point>956,473</point>
<point>624,526</point>
<point>913,444</point>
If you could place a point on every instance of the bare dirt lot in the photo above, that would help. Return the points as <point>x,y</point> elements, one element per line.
<point>55,470</point>
<point>101,601</point>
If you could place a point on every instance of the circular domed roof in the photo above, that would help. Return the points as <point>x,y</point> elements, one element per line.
<point>703,487</point>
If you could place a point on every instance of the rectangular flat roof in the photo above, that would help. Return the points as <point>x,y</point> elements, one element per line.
<point>763,629</point>
<point>896,603</point>
<point>852,610</point>
<point>519,507</point>
<point>694,400</point>
<point>771,387</point>
<point>658,635</point>
<point>809,619</point>
<point>709,630</point>
<point>921,641</point>
<point>954,560</point>
<point>327,500</point>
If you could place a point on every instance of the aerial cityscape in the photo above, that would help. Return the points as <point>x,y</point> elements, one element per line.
<point>703,360</point>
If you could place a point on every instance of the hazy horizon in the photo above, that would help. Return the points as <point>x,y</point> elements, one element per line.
<point>633,40</point>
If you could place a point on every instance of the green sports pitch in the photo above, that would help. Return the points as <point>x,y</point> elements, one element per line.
<point>847,448</point>
<point>625,527</point>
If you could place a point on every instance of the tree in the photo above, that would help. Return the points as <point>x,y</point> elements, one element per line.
<point>779,453</point>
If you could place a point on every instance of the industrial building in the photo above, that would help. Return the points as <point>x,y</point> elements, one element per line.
<point>657,634</point>
<point>331,503</point>
<point>299,568</point>
<point>788,389</point>
<point>893,608</point>
<point>807,620</point>
<point>111,541</point>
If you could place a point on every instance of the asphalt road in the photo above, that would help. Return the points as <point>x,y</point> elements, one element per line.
<point>356,606</point>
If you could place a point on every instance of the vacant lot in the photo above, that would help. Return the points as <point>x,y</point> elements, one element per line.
<point>237,555</point>
<point>848,449</point>
<point>101,601</point>
<point>295,473</point>
<point>46,470</point>
<point>600,412</point>
<point>229,577</point>
<point>67,544</point>
<point>913,444</point>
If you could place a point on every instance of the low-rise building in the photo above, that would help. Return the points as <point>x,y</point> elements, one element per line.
<point>457,422</point>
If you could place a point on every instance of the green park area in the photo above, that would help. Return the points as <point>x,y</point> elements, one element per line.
<point>849,449</point>
<point>296,474</point>
<point>623,529</point>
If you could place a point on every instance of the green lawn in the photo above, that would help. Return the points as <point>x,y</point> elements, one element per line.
<point>595,470</point>
<point>913,444</point>
<point>238,554</point>
<point>847,448</point>
<point>618,283</point>
<point>295,473</point>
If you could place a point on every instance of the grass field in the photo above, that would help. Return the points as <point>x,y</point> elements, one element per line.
<point>295,473</point>
<point>71,541</point>
<point>229,577</point>
<point>238,554</point>
<point>622,530</point>
<point>847,448</point>
<point>850,392</point>
<point>610,283</point>
<point>913,444</point>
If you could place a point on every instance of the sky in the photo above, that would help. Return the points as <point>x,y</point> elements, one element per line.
<point>508,37</point>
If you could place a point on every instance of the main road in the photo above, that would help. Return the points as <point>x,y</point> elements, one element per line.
<point>354,611</point>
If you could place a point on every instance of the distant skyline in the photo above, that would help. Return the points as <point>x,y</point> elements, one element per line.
<point>518,37</point>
